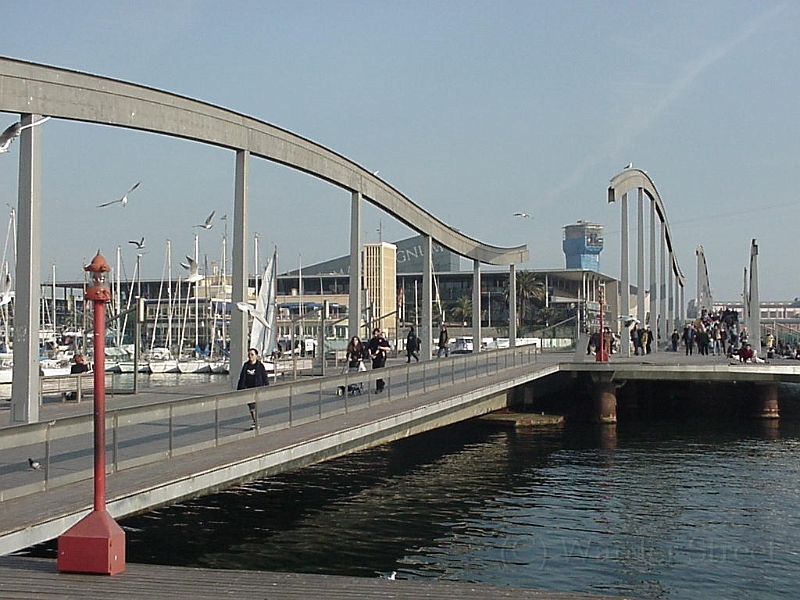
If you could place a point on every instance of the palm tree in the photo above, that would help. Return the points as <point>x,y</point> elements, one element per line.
<point>462,311</point>
<point>530,287</point>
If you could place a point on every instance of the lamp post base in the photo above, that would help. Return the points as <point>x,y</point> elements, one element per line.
<point>95,544</point>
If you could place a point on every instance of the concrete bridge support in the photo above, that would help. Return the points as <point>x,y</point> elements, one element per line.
<point>765,401</point>
<point>604,398</point>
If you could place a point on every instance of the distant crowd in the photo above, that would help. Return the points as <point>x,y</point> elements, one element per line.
<point>713,333</point>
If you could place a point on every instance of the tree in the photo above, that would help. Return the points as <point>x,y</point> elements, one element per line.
<point>462,311</point>
<point>530,289</point>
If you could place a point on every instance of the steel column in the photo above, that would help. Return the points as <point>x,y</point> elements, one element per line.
<point>238,330</point>
<point>354,299</point>
<point>26,385</point>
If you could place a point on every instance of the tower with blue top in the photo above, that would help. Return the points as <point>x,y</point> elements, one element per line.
<point>583,242</point>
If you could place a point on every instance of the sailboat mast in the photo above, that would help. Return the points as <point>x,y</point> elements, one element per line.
<point>118,295</point>
<point>169,295</point>
<point>196,302</point>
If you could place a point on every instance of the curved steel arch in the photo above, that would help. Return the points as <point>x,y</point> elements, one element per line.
<point>31,88</point>
<point>632,179</point>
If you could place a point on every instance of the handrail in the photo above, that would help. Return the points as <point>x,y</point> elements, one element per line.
<point>150,433</point>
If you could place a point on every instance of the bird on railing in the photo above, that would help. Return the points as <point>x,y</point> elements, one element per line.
<point>13,131</point>
<point>35,465</point>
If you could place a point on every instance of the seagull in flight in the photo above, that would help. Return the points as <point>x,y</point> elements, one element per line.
<point>139,245</point>
<point>207,224</point>
<point>193,268</point>
<point>123,200</point>
<point>35,465</point>
<point>12,132</point>
<point>5,290</point>
<point>247,308</point>
<point>521,214</point>
<point>628,166</point>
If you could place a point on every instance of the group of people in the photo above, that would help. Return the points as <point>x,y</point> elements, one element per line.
<point>714,333</point>
<point>376,350</point>
<point>595,340</point>
<point>641,339</point>
<point>254,374</point>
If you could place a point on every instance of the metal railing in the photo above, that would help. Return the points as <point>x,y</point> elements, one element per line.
<point>150,433</point>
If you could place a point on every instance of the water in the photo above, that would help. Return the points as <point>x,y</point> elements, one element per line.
<point>673,510</point>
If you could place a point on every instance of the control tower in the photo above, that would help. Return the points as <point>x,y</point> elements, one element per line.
<point>583,242</point>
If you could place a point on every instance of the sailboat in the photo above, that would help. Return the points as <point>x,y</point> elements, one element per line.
<point>160,359</point>
<point>193,363</point>
<point>263,329</point>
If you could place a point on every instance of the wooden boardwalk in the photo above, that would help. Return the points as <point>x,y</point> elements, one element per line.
<point>38,579</point>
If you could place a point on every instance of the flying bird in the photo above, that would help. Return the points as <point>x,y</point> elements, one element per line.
<point>123,200</point>
<point>5,290</point>
<point>12,132</point>
<point>35,465</point>
<point>207,224</point>
<point>139,245</point>
<point>629,166</point>
<point>247,308</point>
<point>521,214</point>
<point>193,268</point>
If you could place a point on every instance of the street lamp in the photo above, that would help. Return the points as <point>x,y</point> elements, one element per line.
<point>602,353</point>
<point>96,543</point>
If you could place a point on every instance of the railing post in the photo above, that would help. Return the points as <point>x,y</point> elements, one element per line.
<point>216,421</point>
<point>170,431</point>
<point>291,404</point>
<point>114,441</point>
<point>47,456</point>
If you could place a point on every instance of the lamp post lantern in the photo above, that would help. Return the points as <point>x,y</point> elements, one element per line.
<point>602,353</point>
<point>96,543</point>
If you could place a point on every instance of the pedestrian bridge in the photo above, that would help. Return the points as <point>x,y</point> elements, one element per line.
<point>176,443</point>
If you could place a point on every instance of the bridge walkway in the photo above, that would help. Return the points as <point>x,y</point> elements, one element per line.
<point>43,515</point>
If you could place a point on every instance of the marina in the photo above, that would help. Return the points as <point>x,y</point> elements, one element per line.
<point>546,435</point>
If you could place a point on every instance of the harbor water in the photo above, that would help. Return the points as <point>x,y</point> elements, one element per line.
<point>674,509</point>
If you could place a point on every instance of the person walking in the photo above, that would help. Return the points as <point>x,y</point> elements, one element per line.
<point>636,339</point>
<point>444,343</point>
<point>378,349</point>
<point>688,338</point>
<point>355,352</point>
<point>412,345</point>
<point>253,374</point>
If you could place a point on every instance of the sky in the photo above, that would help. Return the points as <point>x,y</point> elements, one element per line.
<point>473,109</point>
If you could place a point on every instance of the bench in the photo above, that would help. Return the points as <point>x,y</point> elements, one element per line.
<point>80,384</point>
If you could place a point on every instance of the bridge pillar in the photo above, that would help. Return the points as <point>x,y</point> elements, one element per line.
<point>765,401</point>
<point>604,395</point>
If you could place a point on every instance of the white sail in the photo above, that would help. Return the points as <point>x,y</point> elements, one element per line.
<point>263,335</point>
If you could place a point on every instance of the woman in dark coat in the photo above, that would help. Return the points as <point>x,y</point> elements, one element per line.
<point>253,374</point>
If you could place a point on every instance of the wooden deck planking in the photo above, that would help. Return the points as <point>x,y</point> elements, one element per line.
<point>28,579</point>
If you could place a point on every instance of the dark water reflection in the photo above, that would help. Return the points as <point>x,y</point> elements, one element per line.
<point>655,510</point>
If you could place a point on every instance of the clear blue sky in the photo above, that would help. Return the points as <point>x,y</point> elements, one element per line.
<point>475,110</point>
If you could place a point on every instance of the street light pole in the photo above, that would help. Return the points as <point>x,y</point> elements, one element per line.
<point>96,544</point>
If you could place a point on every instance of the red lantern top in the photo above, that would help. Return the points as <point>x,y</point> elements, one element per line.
<point>98,290</point>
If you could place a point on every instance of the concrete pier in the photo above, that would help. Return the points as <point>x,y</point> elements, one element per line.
<point>765,401</point>
<point>604,395</point>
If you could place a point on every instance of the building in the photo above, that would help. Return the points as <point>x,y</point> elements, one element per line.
<point>583,242</point>
<point>380,286</point>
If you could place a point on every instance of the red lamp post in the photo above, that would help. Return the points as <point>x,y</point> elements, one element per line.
<point>96,543</point>
<point>602,352</point>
